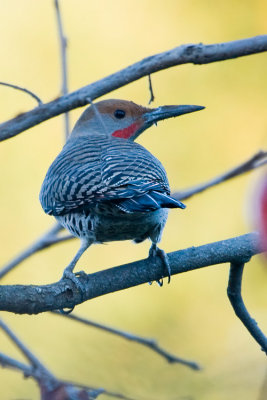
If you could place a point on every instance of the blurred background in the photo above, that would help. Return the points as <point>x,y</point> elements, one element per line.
<point>192,316</point>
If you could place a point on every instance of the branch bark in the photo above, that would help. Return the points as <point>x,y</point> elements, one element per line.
<point>184,54</point>
<point>235,297</point>
<point>33,299</point>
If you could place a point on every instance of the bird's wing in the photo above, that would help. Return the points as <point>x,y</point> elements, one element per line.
<point>119,172</point>
<point>135,180</point>
<point>72,179</point>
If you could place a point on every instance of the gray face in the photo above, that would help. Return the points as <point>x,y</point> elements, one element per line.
<point>124,119</point>
<point>119,118</point>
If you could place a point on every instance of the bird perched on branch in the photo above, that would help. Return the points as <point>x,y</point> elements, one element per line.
<point>103,186</point>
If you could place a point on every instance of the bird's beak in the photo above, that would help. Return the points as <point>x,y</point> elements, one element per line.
<point>164,112</point>
<point>153,115</point>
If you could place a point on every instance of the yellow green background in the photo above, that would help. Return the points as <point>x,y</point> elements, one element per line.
<point>191,317</point>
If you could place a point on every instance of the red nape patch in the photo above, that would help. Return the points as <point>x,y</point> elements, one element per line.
<point>126,133</point>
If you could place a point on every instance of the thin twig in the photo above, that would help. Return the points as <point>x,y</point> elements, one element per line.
<point>39,101</point>
<point>257,160</point>
<point>98,115</point>
<point>33,299</point>
<point>235,297</point>
<point>152,97</point>
<point>150,343</point>
<point>63,51</point>
<point>34,361</point>
<point>46,240</point>
<point>190,53</point>
<point>8,362</point>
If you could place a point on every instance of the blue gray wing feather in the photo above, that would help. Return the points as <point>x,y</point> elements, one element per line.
<point>113,171</point>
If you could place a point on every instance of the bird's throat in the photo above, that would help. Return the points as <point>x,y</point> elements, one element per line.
<point>127,132</point>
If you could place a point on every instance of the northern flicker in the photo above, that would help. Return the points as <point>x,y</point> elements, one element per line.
<point>103,186</point>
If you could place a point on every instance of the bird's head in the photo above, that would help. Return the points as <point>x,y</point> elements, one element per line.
<point>124,119</point>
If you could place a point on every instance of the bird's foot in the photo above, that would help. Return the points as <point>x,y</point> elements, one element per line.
<point>73,276</point>
<point>156,252</point>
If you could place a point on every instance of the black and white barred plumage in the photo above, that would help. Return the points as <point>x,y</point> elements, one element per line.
<point>98,184</point>
<point>103,186</point>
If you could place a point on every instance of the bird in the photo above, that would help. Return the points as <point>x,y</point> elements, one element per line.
<point>103,186</point>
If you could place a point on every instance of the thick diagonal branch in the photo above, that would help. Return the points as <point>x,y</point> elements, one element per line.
<point>190,53</point>
<point>33,299</point>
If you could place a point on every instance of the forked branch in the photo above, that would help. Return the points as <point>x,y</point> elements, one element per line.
<point>51,388</point>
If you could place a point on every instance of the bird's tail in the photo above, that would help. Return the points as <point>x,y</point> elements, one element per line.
<point>147,202</point>
<point>166,201</point>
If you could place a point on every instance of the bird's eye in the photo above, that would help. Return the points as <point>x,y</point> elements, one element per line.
<point>119,114</point>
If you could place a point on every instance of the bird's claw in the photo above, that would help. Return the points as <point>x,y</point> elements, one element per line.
<point>66,311</point>
<point>160,282</point>
<point>73,276</point>
<point>155,251</point>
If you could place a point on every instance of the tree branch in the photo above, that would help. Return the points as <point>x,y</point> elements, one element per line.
<point>150,343</point>
<point>8,362</point>
<point>39,101</point>
<point>46,240</point>
<point>258,160</point>
<point>33,299</point>
<point>44,380</point>
<point>235,297</point>
<point>34,361</point>
<point>190,53</point>
<point>63,51</point>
